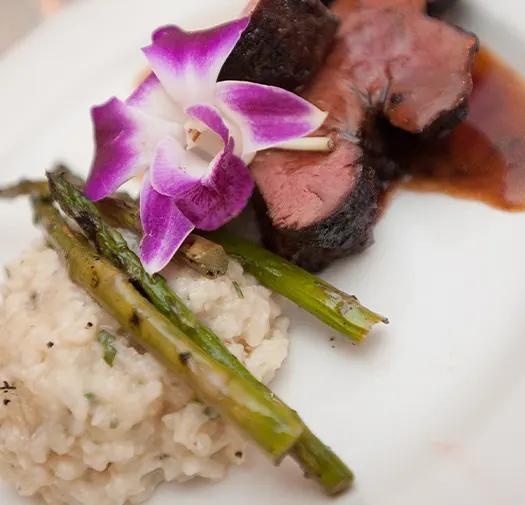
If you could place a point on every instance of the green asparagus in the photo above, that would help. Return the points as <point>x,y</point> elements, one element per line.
<point>317,460</point>
<point>337,309</point>
<point>200,254</point>
<point>204,256</point>
<point>24,187</point>
<point>268,423</point>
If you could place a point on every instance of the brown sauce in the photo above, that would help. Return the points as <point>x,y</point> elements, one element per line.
<point>484,158</point>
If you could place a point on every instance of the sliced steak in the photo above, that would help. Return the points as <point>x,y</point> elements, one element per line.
<point>389,61</point>
<point>315,207</point>
<point>433,7</point>
<point>284,44</point>
<point>417,69</point>
<point>416,5</point>
<point>420,5</point>
<point>438,7</point>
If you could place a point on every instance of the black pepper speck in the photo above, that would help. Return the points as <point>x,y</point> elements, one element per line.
<point>7,387</point>
<point>34,299</point>
<point>50,344</point>
<point>134,320</point>
<point>184,357</point>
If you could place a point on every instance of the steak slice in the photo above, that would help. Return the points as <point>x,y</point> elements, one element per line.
<point>413,68</point>
<point>284,44</point>
<point>433,7</point>
<point>316,207</point>
<point>438,7</point>
<point>389,61</point>
<point>415,5</point>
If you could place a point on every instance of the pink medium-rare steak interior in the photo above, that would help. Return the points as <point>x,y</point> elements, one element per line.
<point>433,7</point>
<point>302,188</point>
<point>415,68</point>
<point>306,190</point>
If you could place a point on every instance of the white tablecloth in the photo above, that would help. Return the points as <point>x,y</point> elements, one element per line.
<point>19,17</point>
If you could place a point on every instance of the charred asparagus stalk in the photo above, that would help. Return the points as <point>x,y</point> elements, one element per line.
<point>337,309</point>
<point>265,420</point>
<point>24,187</point>
<point>202,255</point>
<point>317,460</point>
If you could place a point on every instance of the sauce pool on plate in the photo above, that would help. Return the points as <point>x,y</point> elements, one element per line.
<point>484,158</point>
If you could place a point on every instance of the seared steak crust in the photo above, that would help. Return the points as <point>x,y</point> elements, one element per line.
<point>389,64</point>
<point>284,44</point>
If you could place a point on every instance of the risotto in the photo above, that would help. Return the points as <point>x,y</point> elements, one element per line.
<point>85,419</point>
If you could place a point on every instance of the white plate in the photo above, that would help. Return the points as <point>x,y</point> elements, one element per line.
<point>429,411</point>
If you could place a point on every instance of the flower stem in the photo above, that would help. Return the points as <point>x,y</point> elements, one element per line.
<point>319,144</point>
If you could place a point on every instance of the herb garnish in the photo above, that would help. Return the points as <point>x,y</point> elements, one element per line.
<point>238,289</point>
<point>107,340</point>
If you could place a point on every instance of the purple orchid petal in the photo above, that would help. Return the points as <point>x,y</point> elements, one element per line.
<point>126,139</point>
<point>175,170</point>
<point>211,117</point>
<point>188,63</point>
<point>208,194</point>
<point>118,157</point>
<point>165,228</point>
<point>267,115</point>
<point>222,195</point>
<point>151,98</point>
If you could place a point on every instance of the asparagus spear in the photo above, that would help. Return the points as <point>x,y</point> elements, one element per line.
<point>202,255</point>
<point>265,420</point>
<point>24,187</point>
<point>337,309</point>
<point>317,460</point>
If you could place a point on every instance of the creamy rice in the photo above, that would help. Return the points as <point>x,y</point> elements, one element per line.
<point>78,431</point>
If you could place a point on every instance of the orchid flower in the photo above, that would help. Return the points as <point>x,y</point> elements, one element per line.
<point>189,135</point>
